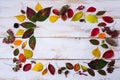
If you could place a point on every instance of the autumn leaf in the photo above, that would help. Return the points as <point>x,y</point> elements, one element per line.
<point>19,32</point>
<point>64,9</point>
<point>28,33</point>
<point>94,42</point>
<point>91,72</point>
<point>32,42</point>
<point>38,7</point>
<point>99,13</point>
<point>45,71</point>
<point>43,14</point>
<point>53,18</point>
<point>20,18</point>
<point>28,25</point>
<point>96,52</point>
<point>108,19</point>
<point>95,31</point>
<point>91,9</point>
<point>108,54</point>
<point>77,16</point>
<point>38,67</point>
<point>27,67</point>
<point>28,53</point>
<point>91,18</point>
<point>51,69</point>
<point>70,13</point>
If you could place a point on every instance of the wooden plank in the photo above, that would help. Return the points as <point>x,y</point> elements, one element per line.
<point>13,7</point>
<point>58,29</point>
<point>59,48</point>
<point>6,69</point>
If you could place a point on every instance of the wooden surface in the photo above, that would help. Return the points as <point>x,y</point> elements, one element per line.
<point>66,41</point>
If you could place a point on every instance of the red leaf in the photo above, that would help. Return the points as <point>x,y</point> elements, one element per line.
<point>70,13</point>
<point>91,9</point>
<point>27,67</point>
<point>80,7</point>
<point>108,54</point>
<point>55,11</point>
<point>102,24</point>
<point>108,19</point>
<point>30,12</point>
<point>95,32</point>
<point>51,69</point>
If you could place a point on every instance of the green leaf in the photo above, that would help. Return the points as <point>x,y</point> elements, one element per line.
<point>97,64</point>
<point>64,9</point>
<point>77,16</point>
<point>31,14</point>
<point>111,42</point>
<point>99,13</point>
<point>32,42</point>
<point>28,53</point>
<point>28,25</point>
<point>91,72</point>
<point>94,42</point>
<point>16,52</point>
<point>104,46</point>
<point>102,72</point>
<point>43,14</point>
<point>28,33</point>
<point>91,18</point>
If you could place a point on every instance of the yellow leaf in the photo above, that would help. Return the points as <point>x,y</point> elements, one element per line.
<point>38,7</point>
<point>20,32</point>
<point>20,18</point>
<point>91,18</point>
<point>38,67</point>
<point>28,53</point>
<point>24,44</point>
<point>17,42</point>
<point>77,16</point>
<point>83,68</point>
<point>53,18</point>
<point>96,52</point>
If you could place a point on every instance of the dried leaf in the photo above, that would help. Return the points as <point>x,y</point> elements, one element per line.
<point>27,67</point>
<point>38,7</point>
<point>96,52</point>
<point>99,13</point>
<point>94,42</point>
<point>95,31</point>
<point>102,24</point>
<point>53,18</point>
<point>19,32</point>
<point>64,9</point>
<point>111,42</point>
<point>24,44</point>
<point>83,68</point>
<point>102,72</point>
<point>91,9</point>
<point>43,14</point>
<point>28,25</point>
<point>20,18</point>
<point>77,16</point>
<point>97,64</point>
<point>16,52</point>
<point>28,33</point>
<point>91,18</point>
<point>110,69</point>
<point>31,14</point>
<point>56,12</point>
<point>108,54</point>
<point>28,53</point>
<point>51,69</point>
<point>22,58</point>
<point>91,72</point>
<point>32,42</point>
<point>104,46</point>
<point>108,19</point>
<point>10,38</point>
<point>17,42</point>
<point>111,63</point>
<point>38,67</point>
<point>45,71</point>
<point>69,66</point>
<point>70,13</point>
<point>76,67</point>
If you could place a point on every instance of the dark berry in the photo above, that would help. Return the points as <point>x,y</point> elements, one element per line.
<point>22,11</point>
<point>16,25</point>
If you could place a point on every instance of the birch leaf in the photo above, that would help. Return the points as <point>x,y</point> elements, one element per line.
<point>96,52</point>
<point>20,18</point>
<point>28,53</point>
<point>91,18</point>
<point>19,32</point>
<point>38,7</point>
<point>32,42</point>
<point>53,18</point>
<point>38,67</point>
<point>77,16</point>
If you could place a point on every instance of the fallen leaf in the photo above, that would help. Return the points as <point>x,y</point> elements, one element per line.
<point>108,19</point>
<point>96,52</point>
<point>53,18</point>
<point>45,71</point>
<point>70,13</point>
<point>19,32</point>
<point>28,33</point>
<point>99,13</point>
<point>27,67</point>
<point>108,54</point>
<point>91,18</point>
<point>64,9</point>
<point>38,67</point>
<point>95,31</point>
<point>102,72</point>
<point>24,44</point>
<point>20,18</point>
<point>51,69</point>
<point>38,7</point>
<point>16,52</point>
<point>77,16</point>
<point>91,9</point>
<point>17,42</point>
<point>111,42</point>
<point>28,25</point>
<point>32,42</point>
<point>69,66</point>
<point>28,53</point>
<point>94,42</point>
<point>91,72</point>
<point>22,58</point>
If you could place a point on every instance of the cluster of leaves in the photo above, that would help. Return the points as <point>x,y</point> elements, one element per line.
<point>27,21</point>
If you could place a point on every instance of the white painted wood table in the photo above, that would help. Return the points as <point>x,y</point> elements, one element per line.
<point>56,43</point>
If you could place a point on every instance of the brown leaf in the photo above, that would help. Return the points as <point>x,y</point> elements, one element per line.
<point>91,72</point>
<point>99,13</point>
<point>28,33</point>
<point>32,42</point>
